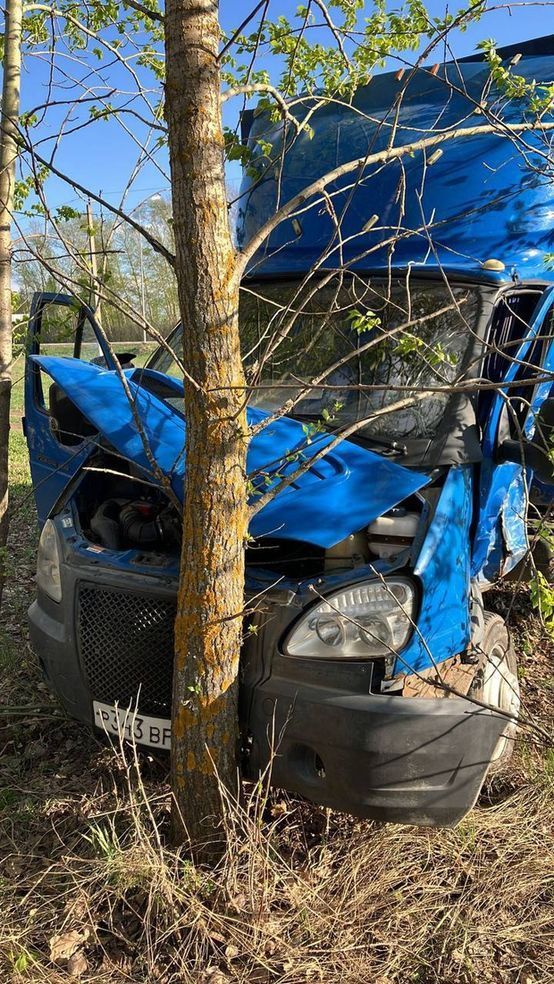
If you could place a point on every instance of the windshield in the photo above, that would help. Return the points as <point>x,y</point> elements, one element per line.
<point>361,353</point>
<point>369,350</point>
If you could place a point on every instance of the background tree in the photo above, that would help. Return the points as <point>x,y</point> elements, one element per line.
<point>44,31</point>
<point>132,271</point>
<point>8,156</point>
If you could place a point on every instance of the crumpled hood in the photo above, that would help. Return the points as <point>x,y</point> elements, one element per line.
<point>339,494</point>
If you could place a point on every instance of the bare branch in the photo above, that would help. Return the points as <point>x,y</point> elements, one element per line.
<point>240,28</point>
<point>152,14</point>
<point>125,216</point>
<point>248,90</point>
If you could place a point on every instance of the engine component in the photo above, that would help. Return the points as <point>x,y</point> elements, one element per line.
<point>350,552</point>
<point>140,524</point>
<point>392,533</point>
<point>119,523</point>
<point>105,523</point>
<point>144,524</point>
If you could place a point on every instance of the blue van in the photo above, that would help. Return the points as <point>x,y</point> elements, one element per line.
<point>373,679</point>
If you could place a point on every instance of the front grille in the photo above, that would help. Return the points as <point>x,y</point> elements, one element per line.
<point>126,645</point>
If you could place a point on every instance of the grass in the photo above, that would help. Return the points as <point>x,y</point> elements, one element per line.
<point>91,889</point>
<point>301,895</point>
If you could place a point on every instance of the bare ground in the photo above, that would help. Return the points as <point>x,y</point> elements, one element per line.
<point>90,889</point>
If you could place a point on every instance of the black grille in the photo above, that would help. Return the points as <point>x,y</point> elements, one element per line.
<point>126,644</point>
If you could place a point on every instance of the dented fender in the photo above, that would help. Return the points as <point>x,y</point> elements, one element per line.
<point>443,626</point>
<point>340,493</point>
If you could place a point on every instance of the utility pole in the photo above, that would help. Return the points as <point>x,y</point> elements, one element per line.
<point>95,302</point>
<point>142,290</point>
<point>8,157</point>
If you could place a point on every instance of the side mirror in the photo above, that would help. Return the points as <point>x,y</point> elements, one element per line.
<point>536,454</point>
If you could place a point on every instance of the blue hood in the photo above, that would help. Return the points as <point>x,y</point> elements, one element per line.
<point>338,495</point>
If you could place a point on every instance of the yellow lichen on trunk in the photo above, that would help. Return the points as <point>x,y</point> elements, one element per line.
<point>208,628</point>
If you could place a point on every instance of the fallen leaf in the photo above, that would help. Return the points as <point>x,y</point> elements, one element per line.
<point>63,947</point>
<point>77,964</point>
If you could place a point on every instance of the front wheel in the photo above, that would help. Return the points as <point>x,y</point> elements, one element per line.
<point>497,685</point>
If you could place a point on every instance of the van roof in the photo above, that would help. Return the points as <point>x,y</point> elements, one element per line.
<point>476,200</point>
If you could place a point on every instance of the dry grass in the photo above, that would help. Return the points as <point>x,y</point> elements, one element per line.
<point>301,895</point>
<point>90,888</point>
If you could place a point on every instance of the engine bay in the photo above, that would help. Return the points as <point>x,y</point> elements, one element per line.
<point>119,510</point>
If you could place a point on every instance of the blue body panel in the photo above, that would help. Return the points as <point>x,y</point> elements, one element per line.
<point>443,625</point>
<point>500,540</point>
<point>481,199</point>
<point>344,491</point>
<point>52,466</point>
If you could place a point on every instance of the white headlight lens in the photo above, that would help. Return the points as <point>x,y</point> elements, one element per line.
<point>368,619</point>
<point>48,562</point>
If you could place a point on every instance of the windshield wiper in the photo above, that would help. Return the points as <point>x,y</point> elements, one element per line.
<point>393,447</point>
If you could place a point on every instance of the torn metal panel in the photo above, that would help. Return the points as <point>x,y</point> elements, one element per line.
<point>514,521</point>
<point>339,494</point>
<point>501,518</point>
<point>443,625</point>
<point>488,545</point>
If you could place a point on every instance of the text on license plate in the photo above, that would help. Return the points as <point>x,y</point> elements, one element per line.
<point>120,721</point>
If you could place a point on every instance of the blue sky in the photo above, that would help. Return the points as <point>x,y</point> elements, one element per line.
<point>102,157</point>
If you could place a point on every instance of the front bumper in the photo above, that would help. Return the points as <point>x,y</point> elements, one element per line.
<point>315,726</point>
<point>403,760</point>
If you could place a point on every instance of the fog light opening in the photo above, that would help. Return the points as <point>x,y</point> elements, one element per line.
<point>319,766</point>
<point>307,763</point>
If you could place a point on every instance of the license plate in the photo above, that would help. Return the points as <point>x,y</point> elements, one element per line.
<point>132,726</point>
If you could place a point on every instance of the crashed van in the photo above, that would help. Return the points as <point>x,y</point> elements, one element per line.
<point>373,678</point>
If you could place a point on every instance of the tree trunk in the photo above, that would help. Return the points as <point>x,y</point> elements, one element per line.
<point>8,155</point>
<point>209,625</point>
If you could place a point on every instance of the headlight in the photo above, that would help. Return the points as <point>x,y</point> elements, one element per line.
<point>366,620</point>
<point>48,562</point>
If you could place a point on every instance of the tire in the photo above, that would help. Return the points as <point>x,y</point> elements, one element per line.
<point>496,683</point>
